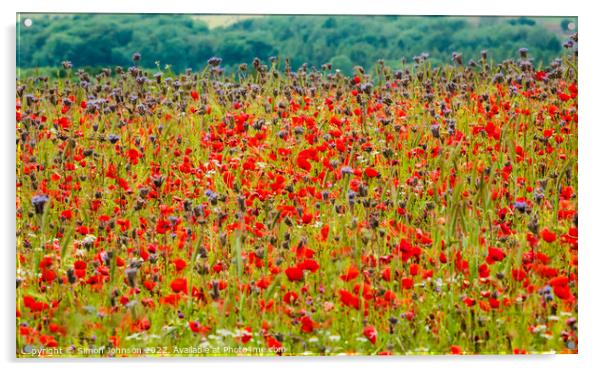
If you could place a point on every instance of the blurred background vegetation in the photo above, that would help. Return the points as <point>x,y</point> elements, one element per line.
<point>94,41</point>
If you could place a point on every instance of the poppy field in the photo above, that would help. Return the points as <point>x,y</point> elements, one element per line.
<point>268,211</point>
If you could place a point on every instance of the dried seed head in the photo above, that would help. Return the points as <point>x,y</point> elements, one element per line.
<point>457,58</point>
<point>130,273</point>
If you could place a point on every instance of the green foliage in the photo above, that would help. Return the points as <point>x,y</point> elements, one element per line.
<point>342,62</point>
<point>102,40</point>
<point>92,40</point>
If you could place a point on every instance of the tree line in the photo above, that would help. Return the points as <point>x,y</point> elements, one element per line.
<point>184,41</point>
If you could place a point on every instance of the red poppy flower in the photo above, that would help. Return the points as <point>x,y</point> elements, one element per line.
<point>351,274</point>
<point>294,274</point>
<point>307,325</point>
<point>150,285</point>
<point>414,269</point>
<point>483,271</point>
<point>290,297</point>
<point>324,232</point>
<point>370,334</point>
<point>559,281</point>
<point>469,302</point>
<point>198,328</point>
<point>133,156</point>
<point>180,264</point>
<point>407,283</point>
<point>349,299</point>
<point>371,172</point>
<point>455,349</point>
<point>548,235</point>
<point>48,275</point>
<point>247,335</point>
<point>563,292</point>
<point>179,285</point>
<point>309,265</point>
<point>162,226</point>
<point>303,163</point>
<point>307,218</point>
<point>83,230</point>
<point>386,274</point>
<point>519,274</point>
<point>273,343</point>
<point>495,255</point>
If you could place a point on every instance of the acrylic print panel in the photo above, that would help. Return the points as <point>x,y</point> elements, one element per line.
<point>202,185</point>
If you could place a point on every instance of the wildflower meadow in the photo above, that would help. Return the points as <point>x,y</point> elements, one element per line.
<point>267,210</point>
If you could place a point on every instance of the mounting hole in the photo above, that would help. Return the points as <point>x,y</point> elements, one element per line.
<point>571,26</point>
<point>27,22</point>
